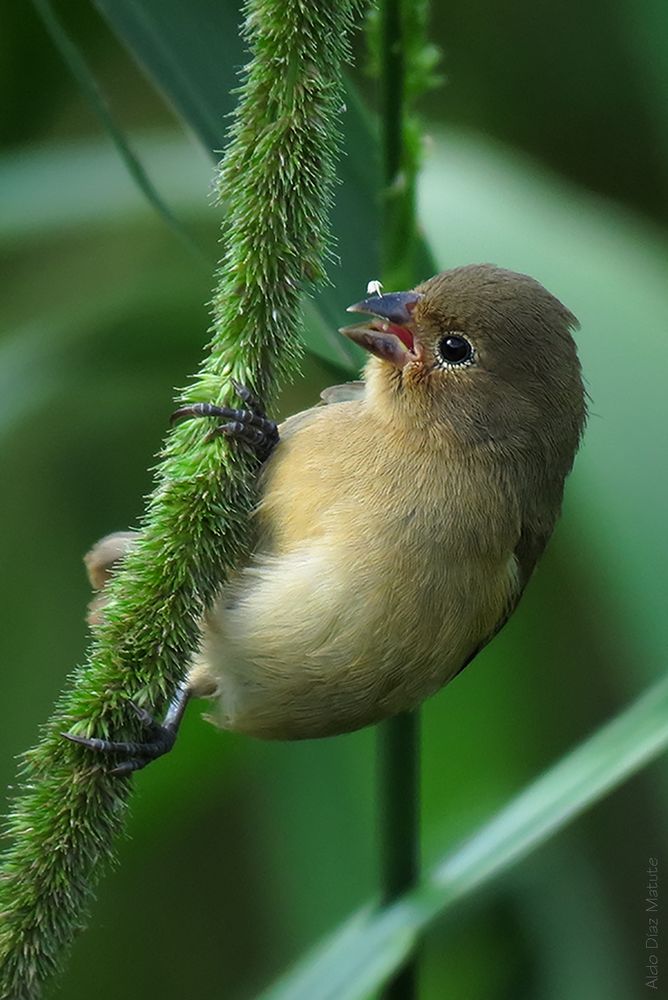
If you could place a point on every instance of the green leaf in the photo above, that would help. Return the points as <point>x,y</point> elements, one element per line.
<point>79,169</point>
<point>192,52</point>
<point>84,77</point>
<point>361,956</point>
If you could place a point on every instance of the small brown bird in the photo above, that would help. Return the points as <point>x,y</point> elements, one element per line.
<point>399,523</point>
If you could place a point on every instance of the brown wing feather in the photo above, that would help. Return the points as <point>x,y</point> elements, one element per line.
<point>528,551</point>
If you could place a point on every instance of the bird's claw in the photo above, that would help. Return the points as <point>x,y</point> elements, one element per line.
<point>137,754</point>
<point>251,425</point>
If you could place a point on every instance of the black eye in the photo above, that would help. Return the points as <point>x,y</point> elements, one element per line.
<point>455,350</point>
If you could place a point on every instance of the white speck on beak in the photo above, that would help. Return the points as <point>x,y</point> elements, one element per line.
<point>374,288</point>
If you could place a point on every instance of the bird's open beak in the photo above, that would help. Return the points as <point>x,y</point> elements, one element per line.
<point>390,335</point>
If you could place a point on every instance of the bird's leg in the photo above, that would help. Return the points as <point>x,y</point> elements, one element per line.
<point>251,426</point>
<point>160,736</point>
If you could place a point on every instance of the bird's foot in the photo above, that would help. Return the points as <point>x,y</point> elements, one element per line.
<point>251,426</point>
<point>160,738</point>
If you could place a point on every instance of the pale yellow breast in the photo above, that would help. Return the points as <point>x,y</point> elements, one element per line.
<point>379,572</point>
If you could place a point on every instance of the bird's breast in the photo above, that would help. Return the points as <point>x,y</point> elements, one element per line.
<point>378,574</point>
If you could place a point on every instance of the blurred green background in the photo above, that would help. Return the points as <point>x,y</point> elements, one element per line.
<point>546,151</point>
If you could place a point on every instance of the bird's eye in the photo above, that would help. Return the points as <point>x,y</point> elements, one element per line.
<point>455,350</point>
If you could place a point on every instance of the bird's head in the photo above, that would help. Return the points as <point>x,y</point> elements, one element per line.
<point>484,353</point>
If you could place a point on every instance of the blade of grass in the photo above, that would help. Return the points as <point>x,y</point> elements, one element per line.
<point>89,86</point>
<point>365,953</point>
<point>78,168</point>
<point>192,52</point>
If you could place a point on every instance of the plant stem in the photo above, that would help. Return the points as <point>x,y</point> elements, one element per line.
<point>277,177</point>
<point>398,738</point>
<point>399,792</point>
<point>398,170</point>
<point>392,75</point>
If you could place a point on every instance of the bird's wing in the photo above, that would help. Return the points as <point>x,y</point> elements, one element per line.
<point>528,550</point>
<point>348,392</point>
<point>343,393</point>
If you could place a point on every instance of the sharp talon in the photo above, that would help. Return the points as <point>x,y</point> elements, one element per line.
<point>175,416</point>
<point>91,743</point>
<point>183,413</point>
<point>71,737</point>
<point>135,755</point>
<point>128,766</point>
<point>196,410</point>
<point>138,754</point>
<point>212,434</point>
<point>144,717</point>
<point>233,428</point>
<point>247,396</point>
<point>251,426</point>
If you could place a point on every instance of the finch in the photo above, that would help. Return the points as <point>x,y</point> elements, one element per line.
<point>398,523</point>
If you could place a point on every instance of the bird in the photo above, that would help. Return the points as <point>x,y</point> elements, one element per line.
<point>399,520</point>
